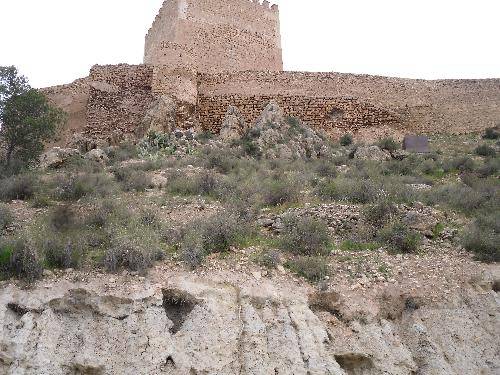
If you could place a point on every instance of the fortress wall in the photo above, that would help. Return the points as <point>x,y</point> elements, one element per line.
<point>181,84</point>
<point>214,36</point>
<point>163,28</point>
<point>336,116</point>
<point>454,106</point>
<point>119,98</point>
<point>73,99</point>
<point>111,103</point>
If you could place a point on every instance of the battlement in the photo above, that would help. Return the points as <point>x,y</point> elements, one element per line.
<point>215,36</point>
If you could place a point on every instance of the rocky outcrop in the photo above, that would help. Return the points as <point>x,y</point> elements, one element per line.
<point>274,136</point>
<point>161,117</point>
<point>57,157</point>
<point>192,326</point>
<point>233,126</point>
<point>97,155</point>
<point>374,153</point>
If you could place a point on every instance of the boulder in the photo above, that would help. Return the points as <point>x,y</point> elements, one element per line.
<point>56,157</point>
<point>97,155</point>
<point>233,126</point>
<point>374,153</point>
<point>161,117</point>
<point>272,114</point>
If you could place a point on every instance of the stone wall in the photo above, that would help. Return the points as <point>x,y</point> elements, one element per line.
<point>119,98</point>
<point>111,103</point>
<point>214,36</point>
<point>336,116</point>
<point>73,98</point>
<point>420,106</point>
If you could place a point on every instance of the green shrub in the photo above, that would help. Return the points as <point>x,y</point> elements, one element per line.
<point>221,160</point>
<point>215,234</point>
<point>388,144</point>
<point>485,150</point>
<point>20,187</point>
<point>74,187</point>
<point>6,217</point>
<point>134,247</point>
<point>313,269</point>
<point>380,213</point>
<point>489,168</point>
<point>269,259</point>
<point>205,183</point>
<point>483,238</point>
<point>132,179</point>
<point>62,218</point>
<point>400,238</point>
<point>352,190</point>
<point>192,251</point>
<point>305,236</point>
<point>465,198</point>
<point>62,251</point>
<point>279,191</point>
<point>124,151</point>
<point>492,133</point>
<point>326,168</point>
<point>350,245</point>
<point>459,163</point>
<point>18,258</point>
<point>105,213</point>
<point>346,140</point>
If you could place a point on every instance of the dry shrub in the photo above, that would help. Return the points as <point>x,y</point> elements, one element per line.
<point>305,236</point>
<point>313,269</point>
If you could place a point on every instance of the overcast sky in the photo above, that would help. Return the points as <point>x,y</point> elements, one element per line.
<point>57,41</point>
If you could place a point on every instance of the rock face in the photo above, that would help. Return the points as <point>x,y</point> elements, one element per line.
<point>191,326</point>
<point>97,155</point>
<point>161,116</point>
<point>56,157</point>
<point>234,126</point>
<point>274,136</point>
<point>374,153</point>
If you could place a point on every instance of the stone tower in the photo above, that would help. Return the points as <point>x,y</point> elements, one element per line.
<point>211,36</point>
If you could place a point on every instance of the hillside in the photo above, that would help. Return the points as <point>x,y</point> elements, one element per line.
<point>265,249</point>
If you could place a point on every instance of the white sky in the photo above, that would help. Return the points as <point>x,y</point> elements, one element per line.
<point>57,41</point>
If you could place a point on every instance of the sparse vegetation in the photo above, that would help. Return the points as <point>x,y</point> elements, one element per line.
<point>313,269</point>
<point>346,140</point>
<point>492,133</point>
<point>6,217</point>
<point>20,187</point>
<point>485,150</point>
<point>78,225</point>
<point>305,236</point>
<point>389,144</point>
<point>400,238</point>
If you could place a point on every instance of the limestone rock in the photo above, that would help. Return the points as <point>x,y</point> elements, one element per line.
<point>187,325</point>
<point>278,137</point>
<point>233,126</point>
<point>161,117</point>
<point>272,114</point>
<point>97,155</point>
<point>374,153</point>
<point>56,157</point>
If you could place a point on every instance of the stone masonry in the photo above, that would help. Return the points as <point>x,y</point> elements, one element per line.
<point>208,55</point>
<point>214,36</point>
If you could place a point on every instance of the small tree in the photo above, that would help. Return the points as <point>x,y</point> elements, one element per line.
<point>26,120</point>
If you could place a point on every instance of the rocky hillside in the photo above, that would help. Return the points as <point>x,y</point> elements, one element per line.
<point>265,249</point>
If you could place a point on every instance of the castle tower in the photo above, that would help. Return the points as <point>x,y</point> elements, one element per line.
<point>215,36</point>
